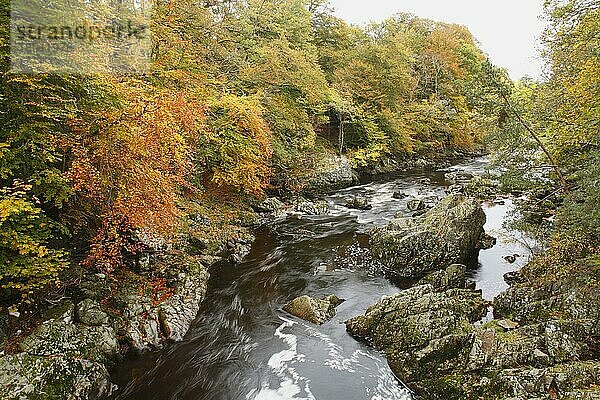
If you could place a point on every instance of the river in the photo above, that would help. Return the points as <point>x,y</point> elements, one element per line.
<point>243,346</point>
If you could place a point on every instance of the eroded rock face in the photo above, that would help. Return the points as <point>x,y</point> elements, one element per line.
<point>66,357</point>
<point>89,312</point>
<point>57,338</point>
<point>544,347</point>
<point>316,311</point>
<point>447,234</point>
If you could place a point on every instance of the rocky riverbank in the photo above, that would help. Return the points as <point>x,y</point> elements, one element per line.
<point>543,343</point>
<point>71,350</point>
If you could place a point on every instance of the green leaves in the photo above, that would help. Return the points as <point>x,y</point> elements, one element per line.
<point>27,263</point>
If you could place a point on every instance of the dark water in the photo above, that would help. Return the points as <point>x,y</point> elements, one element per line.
<point>243,346</point>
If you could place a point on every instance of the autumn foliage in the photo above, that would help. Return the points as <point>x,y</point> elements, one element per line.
<point>237,95</point>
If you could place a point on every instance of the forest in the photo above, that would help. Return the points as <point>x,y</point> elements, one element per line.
<point>240,103</point>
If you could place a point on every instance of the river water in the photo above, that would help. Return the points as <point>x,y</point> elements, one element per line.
<point>243,346</point>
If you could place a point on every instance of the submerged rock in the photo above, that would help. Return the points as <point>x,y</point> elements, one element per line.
<point>447,234</point>
<point>399,195</point>
<point>313,310</point>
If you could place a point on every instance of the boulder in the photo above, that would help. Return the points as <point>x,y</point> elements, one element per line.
<point>486,242</point>
<point>447,234</point>
<point>316,311</point>
<point>308,207</point>
<point>424,330</point>
<point>399,195</point>
<point>332,172</point>
<point>416,205</point>
<point>358,203</point>
<point>458,177</point>
<point>271,205</point>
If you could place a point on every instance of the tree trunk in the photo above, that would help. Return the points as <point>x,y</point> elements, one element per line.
<point>553,163</point>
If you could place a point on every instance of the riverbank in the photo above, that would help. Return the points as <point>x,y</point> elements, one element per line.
<point>145,315</point>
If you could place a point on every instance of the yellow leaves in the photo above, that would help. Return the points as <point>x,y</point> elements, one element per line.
<point>242,140</point>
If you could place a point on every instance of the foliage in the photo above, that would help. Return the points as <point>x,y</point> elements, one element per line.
<point>237,147</point>
<point>27,262</point>
<point>241,96</point>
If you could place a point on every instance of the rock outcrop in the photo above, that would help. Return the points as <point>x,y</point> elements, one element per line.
<point>68,355</point>
<point>316,311</point>
<point>447,234</point>
<point>544,347</point>
<point>424,330</point>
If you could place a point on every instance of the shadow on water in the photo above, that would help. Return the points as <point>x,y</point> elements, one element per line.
<point>243,346</point>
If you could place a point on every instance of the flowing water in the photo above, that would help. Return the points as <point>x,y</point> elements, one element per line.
<point>243,346</point>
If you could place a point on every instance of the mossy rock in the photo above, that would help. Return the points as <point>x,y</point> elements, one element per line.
<point>25,376</point>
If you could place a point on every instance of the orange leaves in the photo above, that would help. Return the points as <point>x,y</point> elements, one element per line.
<point>130,161</point>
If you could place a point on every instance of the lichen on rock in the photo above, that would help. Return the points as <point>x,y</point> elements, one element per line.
<point>447,234</point>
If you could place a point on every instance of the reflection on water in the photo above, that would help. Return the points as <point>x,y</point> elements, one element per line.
<point>243,346</point>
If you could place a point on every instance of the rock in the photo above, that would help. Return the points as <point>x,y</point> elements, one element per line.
<point>358,203</point>
<point>420,329</point>
<point>177,313</point>
<point>507,324</point>
<point>418,213</point>
<point>239,246</point>
<point>57,338</point>
<point>399,195</point>
<point>25,376</point>
<point>307,207</point>
<point>198,221</point>
<point>313,310</point>
<point>144,324</point>
<point>452,277</point>
<point>271,205</point>
<point>458,177</point>
<point>486,242</point>
<point>455,189</point>
<point>416,205</point>
<point>511,259</point>
<point>447,234</point>
<point>332,172</point>
<point>481,188</point>
<point>65,312</point>
<point>513,278</point>
<point>89,312</point>
<point>425,181</point>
